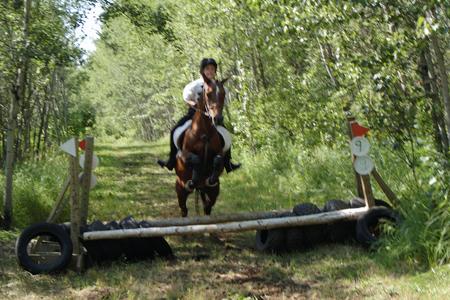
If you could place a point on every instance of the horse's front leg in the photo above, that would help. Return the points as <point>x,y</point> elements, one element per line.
<point>209,197</point>
<point>217,169</point>
<point>193,163</point>
<point>182,195</point>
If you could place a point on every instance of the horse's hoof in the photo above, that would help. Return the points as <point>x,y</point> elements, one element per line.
<point>189,186</point>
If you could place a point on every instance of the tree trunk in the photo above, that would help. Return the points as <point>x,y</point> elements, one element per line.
<point>10,136</point>
<point>426,83</point>
<point>28,116</point>
<point>444,80</point>
<point>41,126</point>
<point>325,58</point>
<point>436,103</point>
<point>18,93</point>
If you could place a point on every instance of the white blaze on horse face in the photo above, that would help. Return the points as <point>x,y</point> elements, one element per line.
<point>214,96</point>
<point>214,106</point>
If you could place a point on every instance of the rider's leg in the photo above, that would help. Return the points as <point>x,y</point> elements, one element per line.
<point>170,163</point>
<point>229,166</point>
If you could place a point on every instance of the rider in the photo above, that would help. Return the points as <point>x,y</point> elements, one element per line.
<point>191,94</point>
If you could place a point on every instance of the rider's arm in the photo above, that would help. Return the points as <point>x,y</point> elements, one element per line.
<point>189,95</point>
<point>191,103</point>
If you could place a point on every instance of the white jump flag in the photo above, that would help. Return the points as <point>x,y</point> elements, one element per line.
<point>69,147</point>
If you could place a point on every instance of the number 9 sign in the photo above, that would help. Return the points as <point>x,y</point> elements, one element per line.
<point>360,146</point>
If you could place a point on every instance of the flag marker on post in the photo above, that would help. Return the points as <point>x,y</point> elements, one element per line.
<point>69,147</point>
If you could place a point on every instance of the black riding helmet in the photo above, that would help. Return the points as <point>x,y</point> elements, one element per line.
<point>207,61</point>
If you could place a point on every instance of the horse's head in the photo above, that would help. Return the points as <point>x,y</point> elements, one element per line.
<point>213,98</point>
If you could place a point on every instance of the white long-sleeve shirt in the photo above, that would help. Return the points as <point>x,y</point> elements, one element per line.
<point>193,90</point>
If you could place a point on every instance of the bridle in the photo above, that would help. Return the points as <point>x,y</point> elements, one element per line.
<point>207,110</point>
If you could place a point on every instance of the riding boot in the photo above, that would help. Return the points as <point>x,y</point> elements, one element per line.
<point>171,162</point>
<point>229,166</point>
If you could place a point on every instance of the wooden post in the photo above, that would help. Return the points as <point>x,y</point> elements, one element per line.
<point>358,179</point>
<point>59,203</point>
<point>367,190</point>
<point>384,187</point>
<point>75,208</point>
<point>86,179</point>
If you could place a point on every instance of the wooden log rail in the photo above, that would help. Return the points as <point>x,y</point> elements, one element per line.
<point>245,216</point>
<point>321,218</point>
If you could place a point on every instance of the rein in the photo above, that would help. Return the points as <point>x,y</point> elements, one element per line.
<point>207,108</point>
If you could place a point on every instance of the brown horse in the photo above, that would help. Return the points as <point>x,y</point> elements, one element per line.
<point>200,162</point>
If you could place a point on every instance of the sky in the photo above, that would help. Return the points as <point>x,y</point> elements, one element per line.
<point>90,30</point>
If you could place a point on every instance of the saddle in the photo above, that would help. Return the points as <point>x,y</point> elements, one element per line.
<point>178,136</point>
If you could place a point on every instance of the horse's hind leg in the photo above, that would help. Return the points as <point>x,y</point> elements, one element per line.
<point>182,194</point>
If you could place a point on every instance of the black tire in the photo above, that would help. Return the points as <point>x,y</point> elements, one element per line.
<point>335,204</point>
<point>271,240</point>
<point>339,231</point>
<point>133,248</point>
<point>274,240</point>
<point>305,209</point>
<point>312,234</point>
<point>295,239</point>
<point>100,251</point>
<point>158,244</point>
<point>57,234</point>
<point>366,226</point>
<point>162,247</point>
<point>359,202</point>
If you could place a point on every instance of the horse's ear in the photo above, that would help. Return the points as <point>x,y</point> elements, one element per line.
<point>206,79</point>
<point>224,80</point>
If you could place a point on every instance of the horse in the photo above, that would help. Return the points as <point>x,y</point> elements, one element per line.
<point>200,161</point>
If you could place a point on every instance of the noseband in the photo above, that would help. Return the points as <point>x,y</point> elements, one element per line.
<point>206,112</point>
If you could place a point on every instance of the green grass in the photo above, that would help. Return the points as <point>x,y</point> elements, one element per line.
<point>130,183</point>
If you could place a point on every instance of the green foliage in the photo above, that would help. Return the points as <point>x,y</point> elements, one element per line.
<point>131,84</point>
<point>295,68</point>
<point>36,186</point>
<point>423,238</point>
<point>48,54</point>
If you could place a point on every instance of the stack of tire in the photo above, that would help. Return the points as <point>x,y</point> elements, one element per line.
<point>305,237</point>
<point>97,251</point>
<point>131,249</point>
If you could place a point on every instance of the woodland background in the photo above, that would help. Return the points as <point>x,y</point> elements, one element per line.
<point>296,67</point>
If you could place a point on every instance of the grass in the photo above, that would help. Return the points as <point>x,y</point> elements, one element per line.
<point>130,183</point>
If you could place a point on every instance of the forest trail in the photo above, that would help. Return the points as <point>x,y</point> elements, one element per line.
<point>131,183</point>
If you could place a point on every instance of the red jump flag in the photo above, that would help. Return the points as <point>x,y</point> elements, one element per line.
<point>82,144</point>
<point>358,130</point>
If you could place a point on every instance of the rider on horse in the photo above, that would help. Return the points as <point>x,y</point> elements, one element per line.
<point>191,94</point>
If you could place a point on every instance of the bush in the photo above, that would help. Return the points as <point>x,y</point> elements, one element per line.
<point>278,177</point>
<point>36,186</point>
<point>424,237</point>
